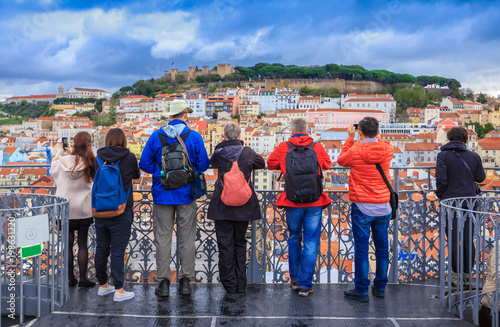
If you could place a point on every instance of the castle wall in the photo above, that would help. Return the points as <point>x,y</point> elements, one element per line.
<point>221,69</point>
<point>342,85</point>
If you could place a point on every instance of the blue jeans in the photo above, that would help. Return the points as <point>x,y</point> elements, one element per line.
<point>361,225</point>
<point>112,236</point>
<point>304,226</point>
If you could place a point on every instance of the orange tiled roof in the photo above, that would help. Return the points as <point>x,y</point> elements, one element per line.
<point>491,143</point>
<point>421,146</point>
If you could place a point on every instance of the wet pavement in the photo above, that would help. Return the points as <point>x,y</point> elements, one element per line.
<point>262,305</point>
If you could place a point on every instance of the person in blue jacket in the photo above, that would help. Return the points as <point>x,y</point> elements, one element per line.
<point>173,204</point>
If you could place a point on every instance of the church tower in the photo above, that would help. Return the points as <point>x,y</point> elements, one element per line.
<point>60,93</point>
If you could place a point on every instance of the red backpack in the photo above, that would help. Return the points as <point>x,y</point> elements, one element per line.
<point>236,191</point>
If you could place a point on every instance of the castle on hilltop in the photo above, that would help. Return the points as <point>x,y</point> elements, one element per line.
<point>221,70</point>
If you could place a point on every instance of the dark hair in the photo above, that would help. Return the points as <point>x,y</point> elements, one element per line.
<point>82,148</point>
<point>458,134</point>
<point>369,127</point>
<point>116,137</point>
<point>179,115</point>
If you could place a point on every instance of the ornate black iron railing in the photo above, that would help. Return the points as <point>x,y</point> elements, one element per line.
<point>414,239</point>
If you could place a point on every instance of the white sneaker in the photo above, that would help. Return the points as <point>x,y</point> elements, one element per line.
<point>123,296</point>
<point>105,290</point>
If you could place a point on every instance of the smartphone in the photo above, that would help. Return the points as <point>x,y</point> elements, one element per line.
<point>355,126</point>
<point>65,143</point>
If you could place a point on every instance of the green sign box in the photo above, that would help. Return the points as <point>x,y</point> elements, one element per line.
<point>31,251</point>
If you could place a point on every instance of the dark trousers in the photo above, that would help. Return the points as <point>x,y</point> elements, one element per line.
<point>485,317</point>
<point>112,236</point>
<point>467,244</point>
<point>232,253</point>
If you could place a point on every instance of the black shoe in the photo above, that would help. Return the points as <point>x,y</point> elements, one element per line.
<point>73,282</point>
<point>355,295</point>
<point>86,283</point>
<point>378,293</point>
<point>295,286</point>
<point>163,288</point>
<point>305,291</point>
<point>185,286</point>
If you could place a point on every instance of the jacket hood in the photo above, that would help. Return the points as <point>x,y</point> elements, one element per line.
<point>68,162</point>
<point>112,153</point>
<point>374,152</point>
<point>174,128</point>
<point>454,145</point>
<point>301,139</point>
<point>229,150</point>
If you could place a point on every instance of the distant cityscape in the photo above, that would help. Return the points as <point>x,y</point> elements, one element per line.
<point>264,115</point>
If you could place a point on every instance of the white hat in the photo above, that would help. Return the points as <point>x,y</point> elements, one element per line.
<point>177,107</point>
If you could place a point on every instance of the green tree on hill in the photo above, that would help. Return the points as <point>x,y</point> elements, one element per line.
<point>481,130</point>
<point>410,97</point>
<point>481,98</point>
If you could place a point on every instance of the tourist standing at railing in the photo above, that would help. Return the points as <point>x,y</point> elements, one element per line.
<point>370,209</point>
<point>303,200</point>
<point>113,234</point>
<point>231,221</point>
<point>457,172</point>
<point>175,203</point>
<point>73,172</point>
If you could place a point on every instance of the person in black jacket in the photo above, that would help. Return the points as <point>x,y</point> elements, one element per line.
<point>453,179</point>
<point>231,223</point>
<point>112,234</point>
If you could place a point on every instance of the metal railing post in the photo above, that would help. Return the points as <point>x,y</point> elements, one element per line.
<point>253,273</point>
<point>394,272</point>
<point>442,224</point>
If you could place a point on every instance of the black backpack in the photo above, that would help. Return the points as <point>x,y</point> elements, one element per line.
<point>304,176</point>
<point>176,169</point>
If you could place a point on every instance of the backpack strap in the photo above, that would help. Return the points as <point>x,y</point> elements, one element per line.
<point>100,162</point>
<point>466,165</point>
<point>379,168</point>
<point>164,141</point>
<point>293,146</point>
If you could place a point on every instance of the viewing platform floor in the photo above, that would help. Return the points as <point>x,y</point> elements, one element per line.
<point>261,305</point>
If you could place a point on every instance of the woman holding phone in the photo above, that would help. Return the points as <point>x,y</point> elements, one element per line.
<point>73,171</point>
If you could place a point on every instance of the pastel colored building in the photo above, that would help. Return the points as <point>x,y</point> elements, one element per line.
<point>135,148</point>
<point>489,149</point>
<point>474,116</point>
<point>495,118</point>
<point>334,134</point>
<point>218,104</point>
<point>249,108</point>
<point>383,102</point>
<point>324,119</point>
<point>414,115</point>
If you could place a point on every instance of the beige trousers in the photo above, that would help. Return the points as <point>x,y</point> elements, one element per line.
<point>163,226</point>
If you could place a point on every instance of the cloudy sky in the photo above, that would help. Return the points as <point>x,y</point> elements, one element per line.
<point>110,44</point>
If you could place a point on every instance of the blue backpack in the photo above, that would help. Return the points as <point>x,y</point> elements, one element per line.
<point>108,196</point>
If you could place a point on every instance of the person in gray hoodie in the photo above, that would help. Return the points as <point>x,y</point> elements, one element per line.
<point>73,171</point>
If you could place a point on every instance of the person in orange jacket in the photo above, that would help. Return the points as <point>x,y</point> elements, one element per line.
<point>370,207</point>
<point>303,219</point>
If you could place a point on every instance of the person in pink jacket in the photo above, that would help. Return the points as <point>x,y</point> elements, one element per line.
<point>73,171</point>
